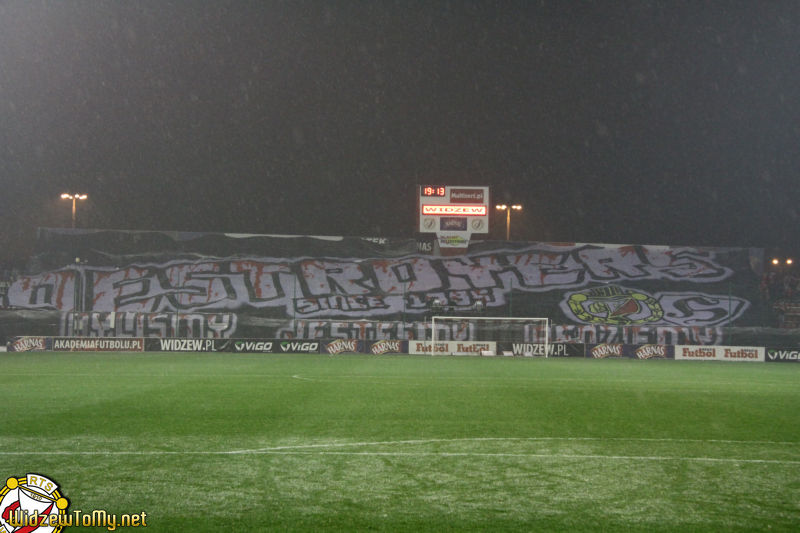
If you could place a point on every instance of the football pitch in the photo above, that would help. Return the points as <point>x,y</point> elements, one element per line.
<point>235,442</point>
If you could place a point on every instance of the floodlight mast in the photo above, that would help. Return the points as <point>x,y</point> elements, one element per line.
<point>74,198</point>
<point>507,209</point>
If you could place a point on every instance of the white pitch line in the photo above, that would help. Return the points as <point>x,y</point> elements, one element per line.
<point>500,439</point>
<point>425,454</point>
<point>547,456</point>
<point>531,378</point>
<point>325,449</point>
<point>142,375</point>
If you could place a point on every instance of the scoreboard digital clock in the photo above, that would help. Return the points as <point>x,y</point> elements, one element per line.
<point>434,190</point>
<point>453,212</point>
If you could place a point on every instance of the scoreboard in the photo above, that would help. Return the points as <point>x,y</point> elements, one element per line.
<point>453,212</point>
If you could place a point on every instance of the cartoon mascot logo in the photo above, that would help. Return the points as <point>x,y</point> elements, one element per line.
<point>614,305</point>
<point>31,504</point>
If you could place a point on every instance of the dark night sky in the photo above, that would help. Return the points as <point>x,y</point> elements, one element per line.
<point>653,122</point>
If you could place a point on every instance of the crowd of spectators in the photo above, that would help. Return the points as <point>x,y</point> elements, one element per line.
<point>781,290</point>
<point>780,285</point>
<point>8,275</point>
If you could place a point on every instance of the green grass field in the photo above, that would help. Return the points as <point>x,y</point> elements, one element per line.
<point>231,442</point>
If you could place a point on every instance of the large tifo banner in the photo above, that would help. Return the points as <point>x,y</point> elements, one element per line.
<point>115,283</point>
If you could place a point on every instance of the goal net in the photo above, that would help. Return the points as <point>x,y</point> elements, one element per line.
<point>456,335</point>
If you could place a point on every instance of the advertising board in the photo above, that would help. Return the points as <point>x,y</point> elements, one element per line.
<point>719,353</point>
<point>97,344</point>
<point>337,346</point>
<point>386,346</point>
<point>27,344</point>
<point>452,348</point>
<point>186,345</point>
<point>783,355</point>
<point>631,351</point>
<point>555,349</point>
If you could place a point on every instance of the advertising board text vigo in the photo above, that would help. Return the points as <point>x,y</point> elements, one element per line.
<point>783,355</point>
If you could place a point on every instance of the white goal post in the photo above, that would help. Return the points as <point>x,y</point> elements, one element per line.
<point>527,335</point>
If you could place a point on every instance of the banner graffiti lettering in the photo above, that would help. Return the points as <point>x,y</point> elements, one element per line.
<point>320,287</point>
<point>601,334</point>
<point>131,324</point>
<point>595,334</point>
